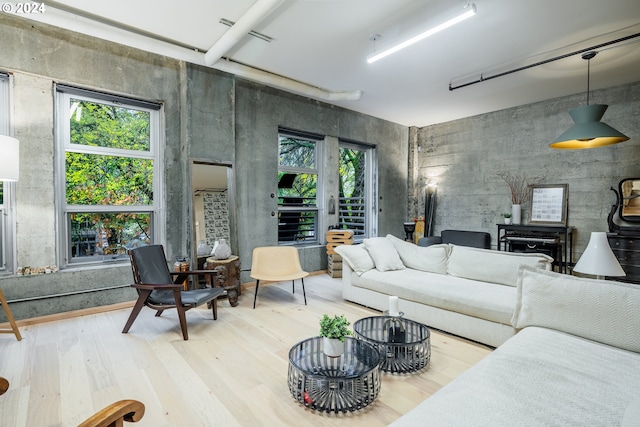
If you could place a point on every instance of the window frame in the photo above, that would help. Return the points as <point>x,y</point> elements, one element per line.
<point>63,96</point>
<point>371,186</point>
<point>319,145</point>
<point>8,226</point>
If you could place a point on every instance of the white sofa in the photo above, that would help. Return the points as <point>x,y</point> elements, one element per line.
<point>575,361</point>
<point>465,291</point>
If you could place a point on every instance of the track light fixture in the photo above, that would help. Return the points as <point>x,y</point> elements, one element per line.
<point>469,11</point>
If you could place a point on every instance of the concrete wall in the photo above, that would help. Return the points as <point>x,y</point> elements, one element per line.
<point>466,154</point>
<point>208,116</point>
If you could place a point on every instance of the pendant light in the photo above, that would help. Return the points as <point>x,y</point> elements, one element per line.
<point>588,131</point>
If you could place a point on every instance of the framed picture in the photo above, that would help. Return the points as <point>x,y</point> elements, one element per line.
<point>549,204</point>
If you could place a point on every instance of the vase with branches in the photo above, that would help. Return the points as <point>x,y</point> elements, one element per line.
<point>519,190</point>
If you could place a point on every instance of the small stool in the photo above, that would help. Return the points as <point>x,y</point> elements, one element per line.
<point>14,328</point>
<point>228,276</point>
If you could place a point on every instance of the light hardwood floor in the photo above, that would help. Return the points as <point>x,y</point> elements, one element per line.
<point>231,372</point>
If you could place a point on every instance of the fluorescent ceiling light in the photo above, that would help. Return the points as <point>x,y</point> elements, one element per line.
<point>468,13</point>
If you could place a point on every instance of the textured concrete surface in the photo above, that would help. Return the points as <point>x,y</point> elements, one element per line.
<point>209,116</point>
<point>465,155</point>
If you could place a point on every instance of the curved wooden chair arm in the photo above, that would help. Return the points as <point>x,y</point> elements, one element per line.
<point>189,272</point>
<point>4,385</point>
<point>115,414</point>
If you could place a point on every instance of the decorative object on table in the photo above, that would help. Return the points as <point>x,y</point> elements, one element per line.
<point>393,306</point>
<point>588,131</point>
<point>336,237</point>
<point>222,250</point>
<point>518,191</point>
<point>430,206</point>
<point>598,258</point>
<point>549,204</point>
<point>202,248</point>
<point>507,218</point>
<point>409,229</point>
<point>333,330</point>
<point>395,330</point>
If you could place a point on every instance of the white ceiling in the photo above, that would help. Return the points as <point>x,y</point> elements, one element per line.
<point>325,43</point>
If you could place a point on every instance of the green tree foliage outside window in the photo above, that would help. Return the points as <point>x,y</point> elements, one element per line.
<point>114,178</point>
<point>352,189</point>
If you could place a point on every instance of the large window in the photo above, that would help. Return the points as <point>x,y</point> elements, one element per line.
<point>357,189</point>
<point>298,191</point>
<point>7,215</point>
<point>108,174</point>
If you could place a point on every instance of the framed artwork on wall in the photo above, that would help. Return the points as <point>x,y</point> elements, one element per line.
<point>549,204</point>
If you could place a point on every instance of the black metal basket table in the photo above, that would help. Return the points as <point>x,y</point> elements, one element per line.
<point>404,344</point>
<point>334,384</point>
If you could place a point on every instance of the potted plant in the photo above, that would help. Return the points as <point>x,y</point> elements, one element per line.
<point>333,330</point>
<point>507,218</point>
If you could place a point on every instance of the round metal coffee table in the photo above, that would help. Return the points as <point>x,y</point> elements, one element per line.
<point>334,384</point>
<point>403,344</point>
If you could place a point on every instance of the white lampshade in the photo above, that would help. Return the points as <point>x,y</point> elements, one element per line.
<point>9,158</point>
<point>598,259</point>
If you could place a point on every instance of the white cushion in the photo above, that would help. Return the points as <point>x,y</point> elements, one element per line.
<point>357,257</point>
<point>492,266</point>
<point>431,258</point>
<point>384,254</point>
<point>598,310</point>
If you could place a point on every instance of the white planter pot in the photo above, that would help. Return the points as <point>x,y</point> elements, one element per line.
<point>507,221</point>
<point>332,347</point>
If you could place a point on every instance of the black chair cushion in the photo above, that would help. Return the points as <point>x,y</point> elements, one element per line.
<point>195,297</point>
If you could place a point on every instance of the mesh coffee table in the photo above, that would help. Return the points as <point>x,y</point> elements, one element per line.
<point>334,384</point>
<point>403,344</point>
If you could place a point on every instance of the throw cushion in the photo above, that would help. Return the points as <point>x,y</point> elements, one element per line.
<point>598,310</point>
<point>431,258</point>
<point>384,254</point>
<point>492,266</point>
<point>357,257</point>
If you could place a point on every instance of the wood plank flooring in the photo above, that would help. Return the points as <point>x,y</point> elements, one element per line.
<point>231,372</point>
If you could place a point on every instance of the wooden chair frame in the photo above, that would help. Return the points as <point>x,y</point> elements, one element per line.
<point>145,290</point>
<point>7,311</point>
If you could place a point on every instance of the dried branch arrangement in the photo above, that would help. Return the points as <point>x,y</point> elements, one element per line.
<point>519,186</point>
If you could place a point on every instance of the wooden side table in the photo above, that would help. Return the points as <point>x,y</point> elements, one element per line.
<point>228,276</point>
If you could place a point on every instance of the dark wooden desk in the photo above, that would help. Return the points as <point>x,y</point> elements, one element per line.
<point>553,240</point>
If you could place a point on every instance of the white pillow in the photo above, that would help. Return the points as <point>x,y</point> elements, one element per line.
<point>357,257</point>
<point>384,254</point>
<point>492,266</point>
<point>430,258</point>
<point>598,310</point>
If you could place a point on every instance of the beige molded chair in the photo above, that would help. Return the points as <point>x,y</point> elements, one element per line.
<point>276,264</point>
<point>116,414</point>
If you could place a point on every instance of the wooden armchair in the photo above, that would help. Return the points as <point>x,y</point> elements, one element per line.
<point>159,291</point>
<point>116,414</point>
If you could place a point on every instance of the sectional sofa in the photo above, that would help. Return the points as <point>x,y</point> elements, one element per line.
<point>568,355</point>
<point>466,291</point>
<point>574,362</point>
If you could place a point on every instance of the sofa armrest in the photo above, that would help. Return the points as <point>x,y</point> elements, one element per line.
<point>428,241</point>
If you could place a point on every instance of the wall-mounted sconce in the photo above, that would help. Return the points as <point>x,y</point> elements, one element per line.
<point>332,206</point>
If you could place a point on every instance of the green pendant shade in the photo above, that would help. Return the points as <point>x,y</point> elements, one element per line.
<point>588,131</point>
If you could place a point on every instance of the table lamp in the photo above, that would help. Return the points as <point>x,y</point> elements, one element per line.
<point>598,258</point>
